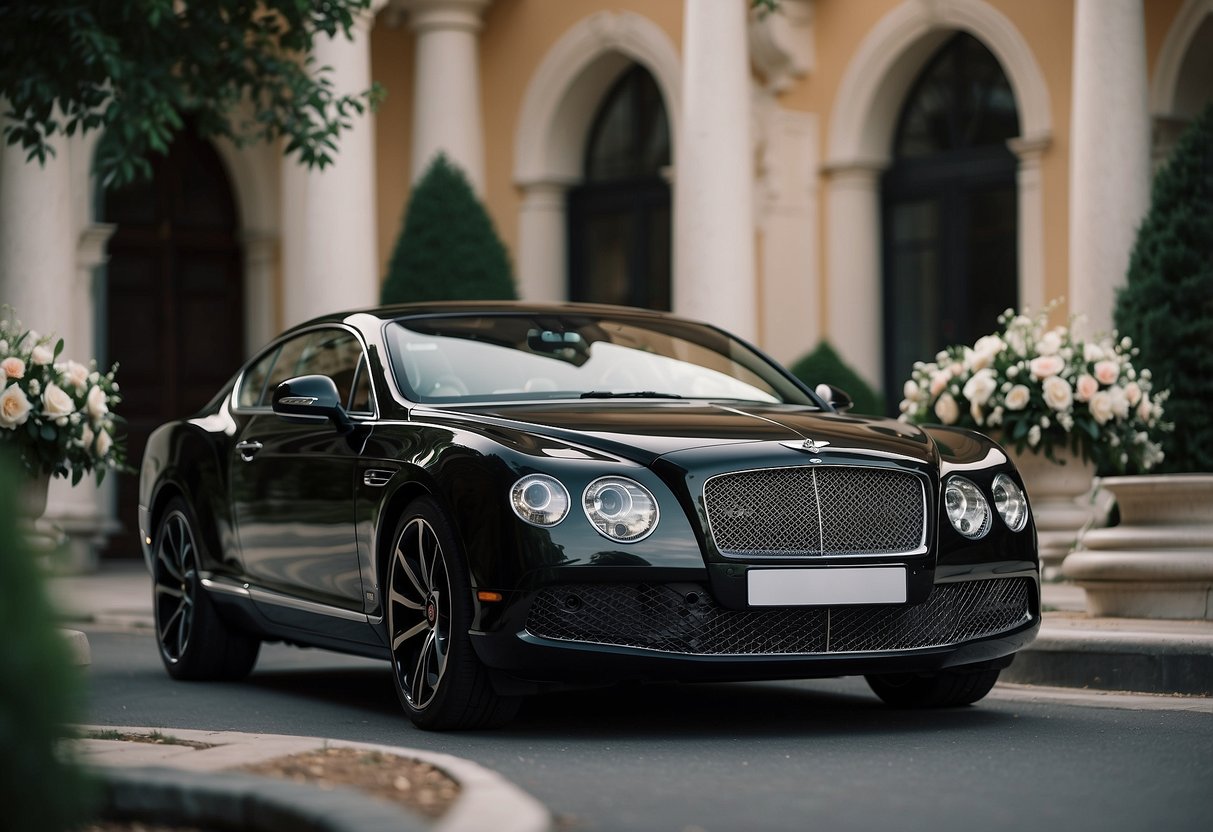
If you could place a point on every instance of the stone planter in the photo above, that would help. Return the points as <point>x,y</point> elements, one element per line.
<point>1061,504</point>
<point>1158,563</point>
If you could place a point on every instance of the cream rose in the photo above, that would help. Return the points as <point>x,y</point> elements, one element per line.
<point>939,381</point>
<point>96,404</point>
<point>1018,397</point>
<point>42,354</point>
<point>977,413</point>
<point>1107,371</point>
<point>1145,411</point>
<point>1057,393</point>
<point>1086,387</point>
<point>980,387</point>
<point>1101,407</point>
<point>947,410</point>
<point>14,408</point>
<point>1049,344</point>
<point>1120,402</point>
<point>1043,366</point>
<point>104,443</point>
<point>1133,393</point>
<point>87,436</point>
<point>76,375</point>
<point>13,367</point>
<point>55,402</point>
<point>1092,352</point>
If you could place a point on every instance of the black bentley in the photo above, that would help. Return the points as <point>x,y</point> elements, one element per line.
<point>505,498</point>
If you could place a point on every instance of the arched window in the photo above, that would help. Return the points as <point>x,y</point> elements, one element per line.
<point>950,209</point>
<point>619,217</point>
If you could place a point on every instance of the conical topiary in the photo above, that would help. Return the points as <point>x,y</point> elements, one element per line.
<point>825,366</point>
<point>1167,305</point>
<point>448,249</point>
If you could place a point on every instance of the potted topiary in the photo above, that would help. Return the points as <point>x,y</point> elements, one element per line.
<point>825,366</point>
<point>1158,562</point>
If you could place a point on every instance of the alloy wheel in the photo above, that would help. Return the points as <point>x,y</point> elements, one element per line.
<point>176,586</point>
<point>419,613</point>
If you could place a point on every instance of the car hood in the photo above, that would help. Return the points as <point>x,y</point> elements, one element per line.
<point>648,429</point>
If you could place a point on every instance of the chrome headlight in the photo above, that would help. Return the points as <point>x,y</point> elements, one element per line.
<point>540,500</point>
<point>621,509</point>
<point>967,508</point>
<point>1010,502</point>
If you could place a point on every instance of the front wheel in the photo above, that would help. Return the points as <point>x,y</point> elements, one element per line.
<point>941,689</point>
<point>438,678</point>
<point>195,643</point>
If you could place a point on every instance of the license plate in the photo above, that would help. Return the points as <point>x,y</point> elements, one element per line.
<point>832,587</point>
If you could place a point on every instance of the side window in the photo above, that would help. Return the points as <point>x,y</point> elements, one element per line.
<point>290,359</point>
<point>334,353</point>
<point>254,380</point>
<point>361,402</point>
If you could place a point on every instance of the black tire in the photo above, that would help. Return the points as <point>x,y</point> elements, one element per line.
<point>942,689</point>
<point>194,642</point>
<point>440,682</point>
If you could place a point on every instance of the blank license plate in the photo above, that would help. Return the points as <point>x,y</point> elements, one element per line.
<point>851,585</point>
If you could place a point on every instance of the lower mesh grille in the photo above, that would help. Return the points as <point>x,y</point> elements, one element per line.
<point>684,618</point>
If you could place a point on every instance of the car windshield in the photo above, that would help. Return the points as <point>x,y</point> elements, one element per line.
<point>464,359</point>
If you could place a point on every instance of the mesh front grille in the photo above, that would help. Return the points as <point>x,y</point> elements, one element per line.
<point>685,619</point>
<point>816,510</point>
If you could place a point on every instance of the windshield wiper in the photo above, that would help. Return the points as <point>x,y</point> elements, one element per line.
<point>632,394</point>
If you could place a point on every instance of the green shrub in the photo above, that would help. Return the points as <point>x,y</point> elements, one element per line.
<point>825,366</point>
<point>448,249</point>
<point>40,791</point>
<point>1167,305</point>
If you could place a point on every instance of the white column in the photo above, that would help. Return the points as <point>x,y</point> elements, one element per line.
<point>713,189</point>
<point>1110,151</point>
<point>1031,221</point>
<point>542,242</point>
<point>260,301</point>
<point>329,259</point>
<point>446,92</point>
<point>853,289</point>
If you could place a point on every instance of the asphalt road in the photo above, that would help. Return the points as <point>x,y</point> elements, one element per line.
<point>821,755</point>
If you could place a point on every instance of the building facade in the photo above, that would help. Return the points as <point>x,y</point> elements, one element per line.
<point>885,174</point>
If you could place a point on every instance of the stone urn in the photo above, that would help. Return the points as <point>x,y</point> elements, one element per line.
<point>1158,563</point>
<point>1061,502</point>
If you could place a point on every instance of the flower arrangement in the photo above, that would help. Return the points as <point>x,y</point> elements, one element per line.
<point>57,415</point>
<point>1045,389</point>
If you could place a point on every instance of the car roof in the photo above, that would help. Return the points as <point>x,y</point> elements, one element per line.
<point>392,311</point>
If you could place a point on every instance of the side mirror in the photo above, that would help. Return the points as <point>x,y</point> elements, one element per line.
<point>835,398</point>
<point>311,398</point>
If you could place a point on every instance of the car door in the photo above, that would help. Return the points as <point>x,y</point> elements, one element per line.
<point>292,486</point>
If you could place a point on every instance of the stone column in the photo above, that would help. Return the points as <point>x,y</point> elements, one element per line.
<point>329,258</point>
<point>1031,221</point>
<point>542,242</point>
<point>854,296</point>
<point>1110,151</point>
<point>714,183</point>
<point>446,93</point>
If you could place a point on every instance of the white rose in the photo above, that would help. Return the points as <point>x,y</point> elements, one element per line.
<point>909,390</point>
<point>43,354</point>
<point>96,404</point>
<point>1092,352</point>
<point>1018,397</point>
<point>1120,402</point>
<point>1049,344</point>
<point>1133,393</point>
<point>976,412</point>
<point>1107,371</point>
<point>1101,407</point>
<point>86,437</point>
<point>1057,393</point>
<point>1043,366</point>
<point>939,381</point>
<point>980,387</point>
<point>76,375</point>
<point>1086,387</point>
<point>13,367</point>
<point>56,403</point>
<point>947,410</point>
<point>104,443</point>
<point>1144,409</point>
<point>14,408</point>
<point>1034,435</point>
<point>995,417</point>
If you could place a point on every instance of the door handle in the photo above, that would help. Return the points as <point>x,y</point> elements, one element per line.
<point>248,450</point>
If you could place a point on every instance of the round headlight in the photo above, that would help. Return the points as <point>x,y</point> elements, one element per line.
<point>621,509</point>
<point>540,500</point>
<point>1010,502</point>
<point>967,508</point>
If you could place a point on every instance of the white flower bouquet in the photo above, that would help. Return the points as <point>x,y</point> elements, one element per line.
<point>1044,389</point>
<point>57,416</point>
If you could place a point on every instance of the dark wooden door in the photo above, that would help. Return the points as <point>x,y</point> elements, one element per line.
<point>173,301</point>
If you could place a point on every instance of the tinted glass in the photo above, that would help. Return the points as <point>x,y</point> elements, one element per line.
<point>253,383</point>
<point>361,401</point>
<point>502,357</point>
<point>334,353</point>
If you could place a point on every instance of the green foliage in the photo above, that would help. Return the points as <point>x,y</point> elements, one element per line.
<point>1167,305</point>
<point>133,68</point>
<point>39,688</point>
<point>825,366</point>
<point>448,249</point>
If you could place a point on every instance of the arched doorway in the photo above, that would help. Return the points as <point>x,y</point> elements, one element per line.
<point>949,209</point>
<point>173,307</point>
<point>619,217</point>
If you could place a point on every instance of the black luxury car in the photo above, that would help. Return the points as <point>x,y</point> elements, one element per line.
<point>505,498</point>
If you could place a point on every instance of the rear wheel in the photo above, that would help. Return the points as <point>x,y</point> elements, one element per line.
<point>195,643</point>
<point>941,689</point>
<point>439,680</point>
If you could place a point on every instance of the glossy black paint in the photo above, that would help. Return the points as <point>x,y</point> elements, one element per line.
<point>297,502</point>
